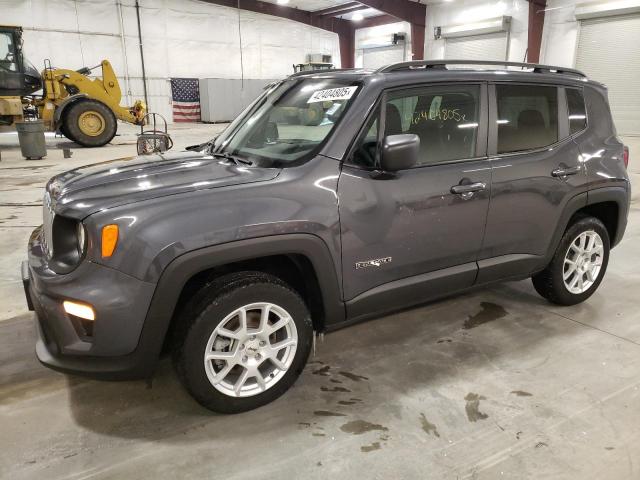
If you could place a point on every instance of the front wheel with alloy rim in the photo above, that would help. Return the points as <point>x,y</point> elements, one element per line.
<point>242,342</point>
<point>579,264</point>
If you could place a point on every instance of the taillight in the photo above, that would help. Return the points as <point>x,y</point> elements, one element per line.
<point>625,157</point>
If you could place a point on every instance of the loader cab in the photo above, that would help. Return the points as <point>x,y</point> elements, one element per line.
<point>17,76</point>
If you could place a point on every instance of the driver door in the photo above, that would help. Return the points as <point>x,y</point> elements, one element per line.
<point>415,234</point>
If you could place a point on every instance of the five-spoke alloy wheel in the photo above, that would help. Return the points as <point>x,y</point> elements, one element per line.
<point>242,341</point>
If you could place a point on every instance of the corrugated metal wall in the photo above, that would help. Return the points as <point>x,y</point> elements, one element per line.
<point>609,52</point>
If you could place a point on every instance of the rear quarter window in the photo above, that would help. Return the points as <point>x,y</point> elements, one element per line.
<point>576,110</point>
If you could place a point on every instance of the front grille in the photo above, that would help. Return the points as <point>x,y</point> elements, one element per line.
<point>47,224</point>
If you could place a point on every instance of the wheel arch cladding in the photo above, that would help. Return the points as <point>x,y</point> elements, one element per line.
<point>606,212</point>
<point>611,206</point>
<point>279,255</point>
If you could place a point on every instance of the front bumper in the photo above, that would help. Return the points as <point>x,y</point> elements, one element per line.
<point>110,348</point>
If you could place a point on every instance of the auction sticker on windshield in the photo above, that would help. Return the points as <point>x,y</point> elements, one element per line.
<point>342,93</point>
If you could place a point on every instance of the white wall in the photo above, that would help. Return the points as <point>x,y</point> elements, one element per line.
<point>561,29</point>
<point>472,11</point>
<point>560,34</point>
<point>181,38</point>
<point>381,34</point>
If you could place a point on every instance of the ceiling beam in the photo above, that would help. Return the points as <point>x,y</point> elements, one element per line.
<point>405,10</point>
<point>376,21</point>
<point>340,9</point>
<point>350,10</point>
<point>295,14</point>
<point>344,28</point>
<point>266,8</point>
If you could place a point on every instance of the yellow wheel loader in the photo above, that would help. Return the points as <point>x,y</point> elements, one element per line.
<point>82,108</point>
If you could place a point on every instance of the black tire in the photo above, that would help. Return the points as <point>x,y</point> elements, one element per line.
<point>71,123</point>
<point>63,127</point>
<point>550,284</point>
<point>206,311</point>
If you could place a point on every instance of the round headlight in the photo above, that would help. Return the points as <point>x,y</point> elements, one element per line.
<point>80,234</point>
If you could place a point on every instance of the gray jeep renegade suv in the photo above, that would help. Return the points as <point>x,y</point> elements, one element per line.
<point>336,196</point>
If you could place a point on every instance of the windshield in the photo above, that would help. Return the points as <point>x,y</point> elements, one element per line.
<point>289,123</point>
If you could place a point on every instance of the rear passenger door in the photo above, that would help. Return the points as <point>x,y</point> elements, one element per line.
<point>407,234</point>
<point>536,169</point>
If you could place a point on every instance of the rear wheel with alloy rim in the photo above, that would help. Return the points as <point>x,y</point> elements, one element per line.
<point>582,262</point>
<point>579,264</point>
<point>245,339</point>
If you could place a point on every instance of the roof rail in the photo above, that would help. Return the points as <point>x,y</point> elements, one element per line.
<point>322,70</point>
<point>442,65</point>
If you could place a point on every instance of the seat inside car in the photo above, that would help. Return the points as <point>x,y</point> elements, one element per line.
<point>439,127</point>
<point>393,120</point>
<point>530,131</point>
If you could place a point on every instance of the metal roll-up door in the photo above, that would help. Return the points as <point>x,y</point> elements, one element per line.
<point>609,52</point>
<point>377,57</point>
<point>491,46</point>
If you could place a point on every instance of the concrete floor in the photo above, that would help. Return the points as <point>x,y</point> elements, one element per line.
<point>496,383</point>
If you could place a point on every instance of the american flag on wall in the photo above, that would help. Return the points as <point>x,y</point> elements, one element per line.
<point>185,95</point>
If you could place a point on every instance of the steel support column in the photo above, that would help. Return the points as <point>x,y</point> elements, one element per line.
<point>417,41</point>
<point>536,24</point>
<point>347,38</point>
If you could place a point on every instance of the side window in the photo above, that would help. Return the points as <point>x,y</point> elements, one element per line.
<point>527,117</point>
<point>7,52</point>
<point>366,148</point>
<point>577,110</point>
<point>445,119</point>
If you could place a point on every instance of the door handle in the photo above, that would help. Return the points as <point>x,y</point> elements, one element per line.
<point>468,188</point>
<point>565,171</point>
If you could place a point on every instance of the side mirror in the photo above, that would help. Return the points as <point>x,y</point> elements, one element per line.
<point>399,152</point>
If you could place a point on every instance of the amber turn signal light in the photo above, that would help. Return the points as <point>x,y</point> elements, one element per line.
<point>109,239</point>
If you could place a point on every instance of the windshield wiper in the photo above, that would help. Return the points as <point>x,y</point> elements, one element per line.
<point>200,147</point>
<point>232,158</point>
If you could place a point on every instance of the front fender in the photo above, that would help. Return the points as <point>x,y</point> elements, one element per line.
<point>184,267</point>
<point>63,105</point>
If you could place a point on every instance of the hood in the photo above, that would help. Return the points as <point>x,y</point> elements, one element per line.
<point>85,190</point>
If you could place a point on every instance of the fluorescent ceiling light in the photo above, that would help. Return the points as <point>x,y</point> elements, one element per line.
<point>283,2</point>
<point>356,17</point>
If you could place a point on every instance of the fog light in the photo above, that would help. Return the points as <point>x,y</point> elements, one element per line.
<point>79,310</point>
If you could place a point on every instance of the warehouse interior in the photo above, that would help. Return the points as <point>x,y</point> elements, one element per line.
<point>491,383</point>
